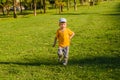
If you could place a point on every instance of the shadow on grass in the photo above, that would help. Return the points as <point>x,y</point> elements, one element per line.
<point>77,14</point>
<point>112,14</point>
<point>113,62</point>
<point>118,7</point>
<point>5,16</point>
<point>37,63</point>
<point>109,14</point>
<point>23,14</point>
<point>102,62</point>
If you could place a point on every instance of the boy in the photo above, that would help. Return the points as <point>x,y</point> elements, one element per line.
<point>63,35</point>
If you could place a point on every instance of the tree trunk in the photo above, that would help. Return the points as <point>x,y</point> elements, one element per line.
<point>3,10</point>
<point>75,5</point>
<point>20,6</point>
<point>2,7</point>
<point>68,2</point>
<point>91,3</point>
<point>31,5</point>
<point>82,2</point>
<point>35,8</point>
<point>44,5</point>
<point>7,6</point>
<point>8,10</point>
<point>14,7</point>
<point>41,6</point>
<point>60,9</point>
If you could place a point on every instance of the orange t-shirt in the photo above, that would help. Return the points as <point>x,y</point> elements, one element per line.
<point>64,37</point>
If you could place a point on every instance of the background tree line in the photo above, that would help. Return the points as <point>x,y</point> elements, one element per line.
<point>19,5</point>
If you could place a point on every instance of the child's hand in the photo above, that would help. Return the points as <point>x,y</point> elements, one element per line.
<point>53,45</point>
<point>54,41</point>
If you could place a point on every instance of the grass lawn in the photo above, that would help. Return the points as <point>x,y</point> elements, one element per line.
<point>26,51</point>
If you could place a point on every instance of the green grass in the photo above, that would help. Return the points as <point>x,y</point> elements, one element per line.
<point>26,51</point>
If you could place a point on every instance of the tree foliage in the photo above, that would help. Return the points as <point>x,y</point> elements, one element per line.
<point>41,5</point>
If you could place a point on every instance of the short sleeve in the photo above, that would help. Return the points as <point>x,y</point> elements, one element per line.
<point>70,32</point>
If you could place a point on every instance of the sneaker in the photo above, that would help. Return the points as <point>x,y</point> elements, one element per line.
<point>64,64</point>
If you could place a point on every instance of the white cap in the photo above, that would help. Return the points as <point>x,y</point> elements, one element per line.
<point>62,20</point>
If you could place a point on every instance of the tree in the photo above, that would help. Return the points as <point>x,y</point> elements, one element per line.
<point>68,2</point>
<point>5,5</point>
<point>75,5</point>
<point>34,4</point>
<point>20,6</point>
<point>14,9</point>
<point>83,1</point>
<point>40,4</point>
<point>52,2</point>
<point>2,3</point>
<point>60,4</point>
<point>44,5</point>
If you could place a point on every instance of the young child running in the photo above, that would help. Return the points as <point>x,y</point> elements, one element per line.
<point>64,36</point>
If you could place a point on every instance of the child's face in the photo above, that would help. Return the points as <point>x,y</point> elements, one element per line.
<point>62,25</point>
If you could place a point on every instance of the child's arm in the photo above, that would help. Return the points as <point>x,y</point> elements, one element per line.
<point>55,40</point>
<point>72,35</point>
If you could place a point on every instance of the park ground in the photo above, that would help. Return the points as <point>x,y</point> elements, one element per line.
<point>26,51</point>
